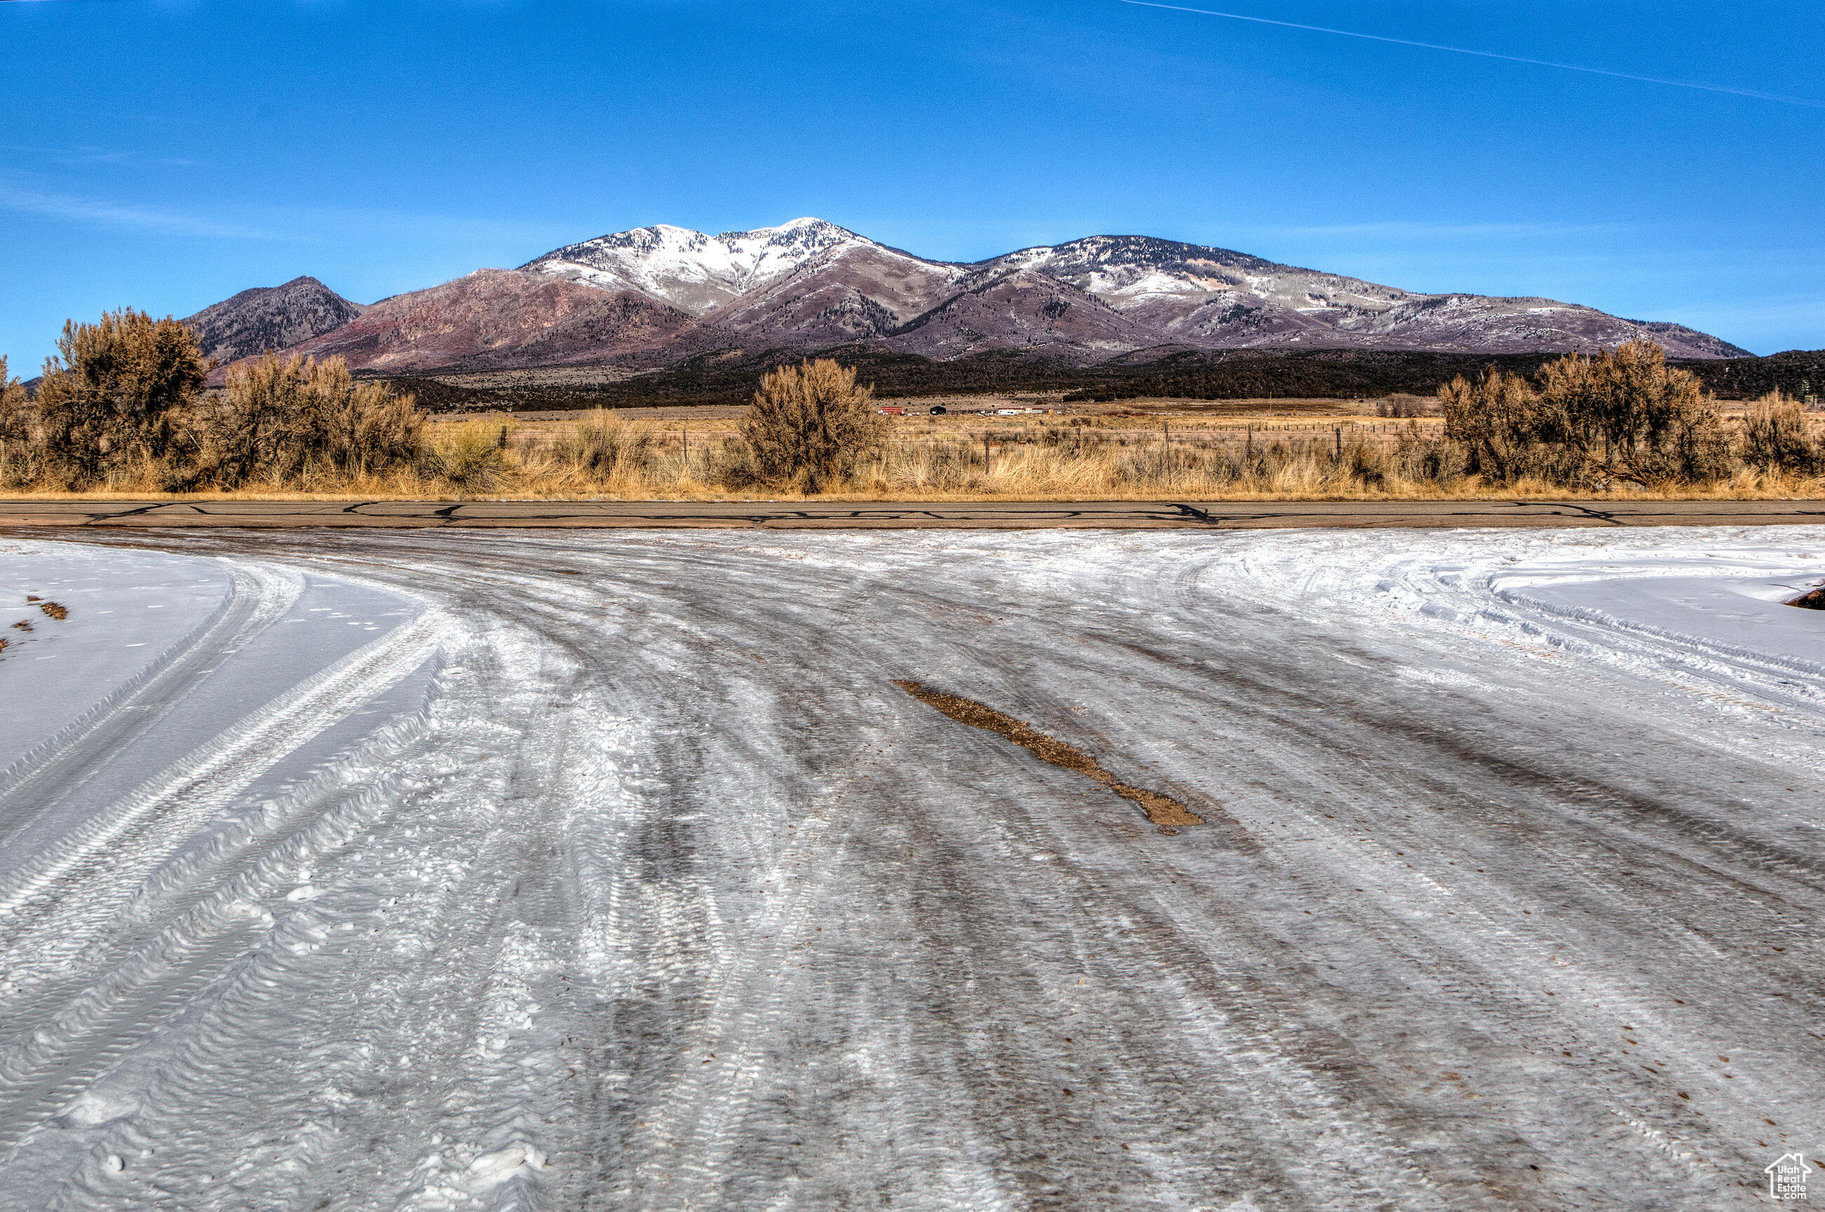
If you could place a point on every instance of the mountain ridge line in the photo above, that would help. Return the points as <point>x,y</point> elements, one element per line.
<point>655,298</point>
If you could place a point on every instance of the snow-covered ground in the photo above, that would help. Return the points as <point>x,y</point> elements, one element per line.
<point>610,869</point>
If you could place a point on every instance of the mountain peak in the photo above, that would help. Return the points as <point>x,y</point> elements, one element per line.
<point>803,223</point>
<point>270,318</point>
<point>690,270</point>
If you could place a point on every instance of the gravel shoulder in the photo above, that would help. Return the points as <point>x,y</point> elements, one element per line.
<point>25,516</point>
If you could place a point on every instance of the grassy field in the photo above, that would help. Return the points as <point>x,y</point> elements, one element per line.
<point>978,449</point>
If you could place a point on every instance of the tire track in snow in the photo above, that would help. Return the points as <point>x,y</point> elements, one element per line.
<point>85,1001</point>
<point>657,599</point>
<point>83,1024</point>
<point>257,597</point>
<point>167,808</point>
<point>1340,1016</point>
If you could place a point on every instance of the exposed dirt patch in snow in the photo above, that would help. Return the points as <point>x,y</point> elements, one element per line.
<point>1813,600</point>
<point>55,611</point>
<point>1164,811</point>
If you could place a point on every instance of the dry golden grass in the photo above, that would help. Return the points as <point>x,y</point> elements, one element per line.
<point>1114,454</point>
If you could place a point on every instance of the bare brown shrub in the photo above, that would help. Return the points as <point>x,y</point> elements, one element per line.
<point>108,400</point>
<point>298,422</point>
<point>1627,415</point>
<point>1403,407</point>
<point>1367,463</point>
<point>809,423</point>
<point>471,457</point>
<point>731,464</point>
<point>601,448</point>
<point>1775,437</point>
<point>1501,426</point>
<point>15,414</point>
<point>20,456</point>
<point>1422,458</point>
<point>1623,415</point>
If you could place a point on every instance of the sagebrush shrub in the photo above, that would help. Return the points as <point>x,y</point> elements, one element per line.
<point>110,398</point>
<point>601,448</point>
<point>1622,415</point>
<point>296,421</point>
<point>15,412</point>
<point>1775,437</point>
<point>470,458</point>
<point>808,423</point>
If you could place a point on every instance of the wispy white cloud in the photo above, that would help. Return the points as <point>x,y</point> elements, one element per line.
<point>93,155</point>
<point>1777,98</point>
<point>333,226</point>
<point>84,155</point>
<point>121,215</point>
<point>123,158</point>
<point>1398,230</point>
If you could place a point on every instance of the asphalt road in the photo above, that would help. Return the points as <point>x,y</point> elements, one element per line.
<point>821,515</point>
<point>662,894</point>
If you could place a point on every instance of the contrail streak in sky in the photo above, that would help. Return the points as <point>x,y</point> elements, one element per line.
<point>1464,50</point>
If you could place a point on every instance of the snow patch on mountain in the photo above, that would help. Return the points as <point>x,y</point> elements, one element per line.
<point>655,295</point>
<point>693,271</point>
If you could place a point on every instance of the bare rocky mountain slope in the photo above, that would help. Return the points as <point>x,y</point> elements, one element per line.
<point>655,296</point>
<point>1217,299</point>
<point>500,318</point>
<point>858,291</point>
<point>270,318</point>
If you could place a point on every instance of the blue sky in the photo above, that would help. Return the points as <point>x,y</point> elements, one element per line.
<point>165,155</point>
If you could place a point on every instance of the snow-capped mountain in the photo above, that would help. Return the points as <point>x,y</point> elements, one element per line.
<point>848,292</point>
<point>692,271</point>
<point>1130,271</point>
<point>655,296</point>
<point>1220,299</point>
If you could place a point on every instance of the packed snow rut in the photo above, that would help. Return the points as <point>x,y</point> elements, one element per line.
<point>467,870</point>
